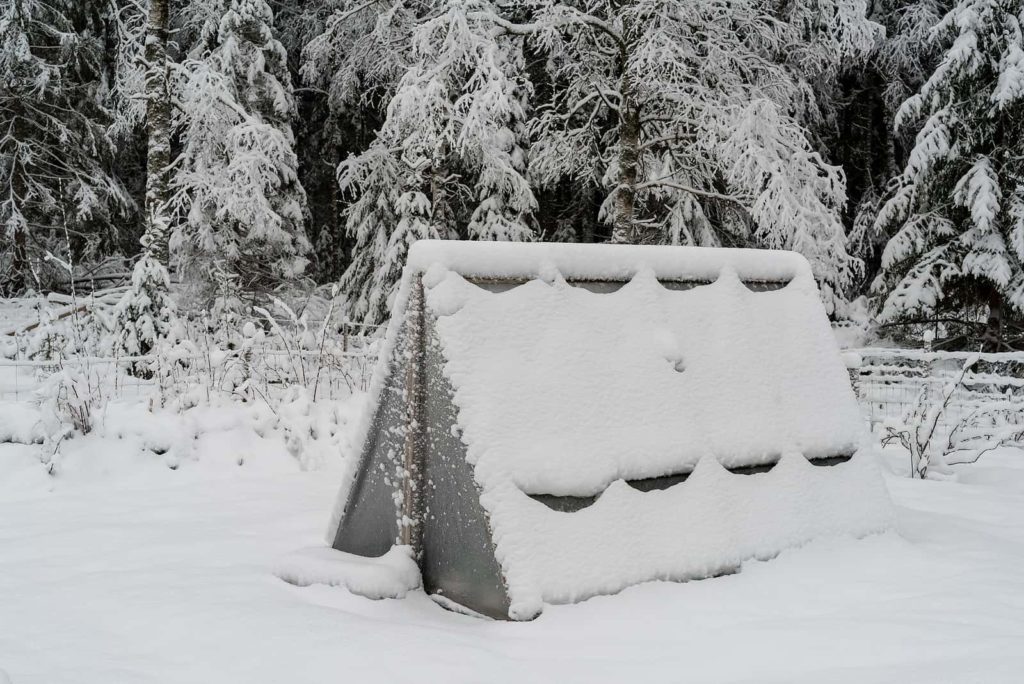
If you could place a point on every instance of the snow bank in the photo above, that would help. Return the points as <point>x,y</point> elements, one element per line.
<point>130,439</point>
<point>702,527</point>
<point>562,391</point>
<point>393,575</point>
<point>20,422</point>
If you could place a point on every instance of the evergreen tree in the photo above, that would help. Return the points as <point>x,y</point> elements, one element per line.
<point>236,188</point>
<point>323,138</point>
<point>355,63</point>
<point>860,135</point>
<point>959,203</point>
<point>57,189</point>
<point>146,313</point>
<point>449,159</point>
<point>689,115</point>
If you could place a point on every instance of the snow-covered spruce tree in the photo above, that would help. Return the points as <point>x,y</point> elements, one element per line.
<point>350,64</point>
<point>236,190</point>
<point>860,136</point>
<point>689,114</point>
<point>449,159</point>
<point>128,27</point>
<point>55,154</point>
<point>322,140</point>
<point>146,313</point>
<point>356,63</point>
<point>959,203</point>
<point>361,54</point>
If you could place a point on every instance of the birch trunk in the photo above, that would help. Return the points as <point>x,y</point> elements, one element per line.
<point>992,338</point>
<point>440,212</point>
<point>629,155</point>
<point>158,129</point>
<point>624,228</point>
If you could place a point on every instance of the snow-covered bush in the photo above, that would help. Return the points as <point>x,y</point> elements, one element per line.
<point>931,448</point>
<point>48,341</point>
<point>146,312</point>
<point>69,399</point>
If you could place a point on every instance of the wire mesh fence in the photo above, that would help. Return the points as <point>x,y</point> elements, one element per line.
<point>892,383</point>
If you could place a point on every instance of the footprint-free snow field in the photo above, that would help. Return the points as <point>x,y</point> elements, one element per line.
<point>166,576</point>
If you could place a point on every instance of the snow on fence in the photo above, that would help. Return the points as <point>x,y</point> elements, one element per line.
<point>890,383</point>
<point>260,372</point>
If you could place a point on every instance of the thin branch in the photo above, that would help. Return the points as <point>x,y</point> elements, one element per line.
<point>693,191</point>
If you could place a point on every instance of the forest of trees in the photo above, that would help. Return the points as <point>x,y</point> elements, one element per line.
<point>238,147</point>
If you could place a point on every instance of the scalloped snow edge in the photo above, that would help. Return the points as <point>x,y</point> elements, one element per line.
<point>699,528</point>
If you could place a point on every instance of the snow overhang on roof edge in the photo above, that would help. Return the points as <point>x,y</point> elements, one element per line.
<point>528,260</point>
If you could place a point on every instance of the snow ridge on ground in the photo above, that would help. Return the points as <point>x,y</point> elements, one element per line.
<point>393,575</point>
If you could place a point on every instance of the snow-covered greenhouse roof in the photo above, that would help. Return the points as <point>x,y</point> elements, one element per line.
<point>528,260</point>
<point>551,422</point>
<point>563,390</point>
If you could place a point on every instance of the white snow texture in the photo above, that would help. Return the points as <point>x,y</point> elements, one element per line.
<point>393,575</point>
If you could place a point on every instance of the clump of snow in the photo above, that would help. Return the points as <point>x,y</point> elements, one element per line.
<point>393,575</point>
<point>8,347</point>
<point>852,360</point>
<point>562,390</point>
<point>699,528</point>
<point>447,294</point>
<point>20,422</point>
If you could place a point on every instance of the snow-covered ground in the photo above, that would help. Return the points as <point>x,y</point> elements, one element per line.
<point>140,573</point>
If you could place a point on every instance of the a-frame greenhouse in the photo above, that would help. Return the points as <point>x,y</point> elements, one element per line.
<point>551,421</point>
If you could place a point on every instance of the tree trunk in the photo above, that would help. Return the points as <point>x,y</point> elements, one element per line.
<point>21,269</point>
<point>992,339</point>
<point>158,129</point>
<point>19,264</point>
<point>440,212</point>
<point>625,229</point>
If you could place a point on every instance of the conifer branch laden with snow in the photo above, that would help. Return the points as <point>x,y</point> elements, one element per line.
<point>450,157</point>
<point>680,116</point>
<point>958,206</point>
<point>55,152</point>
<point>236,191</point>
